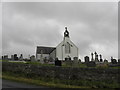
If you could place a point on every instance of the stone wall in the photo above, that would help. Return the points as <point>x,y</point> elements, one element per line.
<point>64,73</point>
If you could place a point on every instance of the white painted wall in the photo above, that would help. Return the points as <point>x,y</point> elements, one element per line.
<point>60,50</point>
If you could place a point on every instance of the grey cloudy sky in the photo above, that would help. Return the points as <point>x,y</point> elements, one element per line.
<point>93,26</point>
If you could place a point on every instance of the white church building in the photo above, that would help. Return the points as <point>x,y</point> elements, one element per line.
<point>66,49</point>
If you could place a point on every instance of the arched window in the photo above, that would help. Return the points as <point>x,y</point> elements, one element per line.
<point>67,48</point>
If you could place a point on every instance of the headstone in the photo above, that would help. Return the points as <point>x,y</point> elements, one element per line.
<point>106,61</point>
<point>58,62</point>
<point>5,57</point>
<point>68,61</point>
<point>68,58</point>
<point>15,57</point>
<point>91,64</point>
<point>113,61</point>
<point>75,62</point>
<point>92,57</point>
<point>75,58</point>
<point>96,57</point>
<point>86,58</point>
<point>21,57</point>
<point>2,57</point>
<point>101,60</point>
<point>12,57</point>
<point>32,58</point>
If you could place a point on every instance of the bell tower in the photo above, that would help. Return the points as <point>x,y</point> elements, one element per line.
<point>66,33</point>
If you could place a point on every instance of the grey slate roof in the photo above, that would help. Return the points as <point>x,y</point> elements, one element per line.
<point>45,50</point>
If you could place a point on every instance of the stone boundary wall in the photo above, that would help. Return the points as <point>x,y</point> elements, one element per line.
<point>63,73</point>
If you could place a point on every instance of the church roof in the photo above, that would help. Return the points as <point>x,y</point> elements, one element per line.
<point>45,50</point>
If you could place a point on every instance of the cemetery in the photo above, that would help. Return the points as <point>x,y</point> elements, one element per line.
<point>92,73</point>
<point>61,65</point>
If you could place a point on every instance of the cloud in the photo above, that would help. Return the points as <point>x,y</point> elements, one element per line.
<point>92,26</point>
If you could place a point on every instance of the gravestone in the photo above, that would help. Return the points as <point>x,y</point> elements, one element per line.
<point>101,60</point>
<point>58,62</point>
<point>32,58</point>
<point>68,61</point>
<point>91,64</point>
<point>21,57</point>
<point>96,57</point>
<point>92,57</point>
<point>75,62</point>
<point>15,57</point>
<point>75,58</point>
<point>2,57</point>
<point>113,61</point>
<point>86,58</point>
<point>106,61</point>
<point>5,57</point>
<point>12,57</point>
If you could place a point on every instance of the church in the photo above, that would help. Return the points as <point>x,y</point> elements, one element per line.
<point>66,49</point>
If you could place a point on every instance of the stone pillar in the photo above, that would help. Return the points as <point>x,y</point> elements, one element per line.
<point>86,59</point>
<point>101,60</point>
<point>92,57</point>
<point>96,57</point>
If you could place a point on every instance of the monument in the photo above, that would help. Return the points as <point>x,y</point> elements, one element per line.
<point>101,60</point>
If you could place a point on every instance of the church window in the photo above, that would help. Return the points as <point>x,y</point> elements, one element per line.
<point>67,48</point>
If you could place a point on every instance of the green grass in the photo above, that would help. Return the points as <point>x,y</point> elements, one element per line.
<point>54,82</point>
<point>42,82</point>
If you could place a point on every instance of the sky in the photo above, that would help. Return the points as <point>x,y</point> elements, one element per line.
<point>93,26</point>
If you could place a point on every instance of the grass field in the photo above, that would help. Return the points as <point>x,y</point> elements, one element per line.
<point>57,83</point>
<point>38,82</point>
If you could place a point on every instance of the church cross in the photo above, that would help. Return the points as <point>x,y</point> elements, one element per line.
<point>65,28</point>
